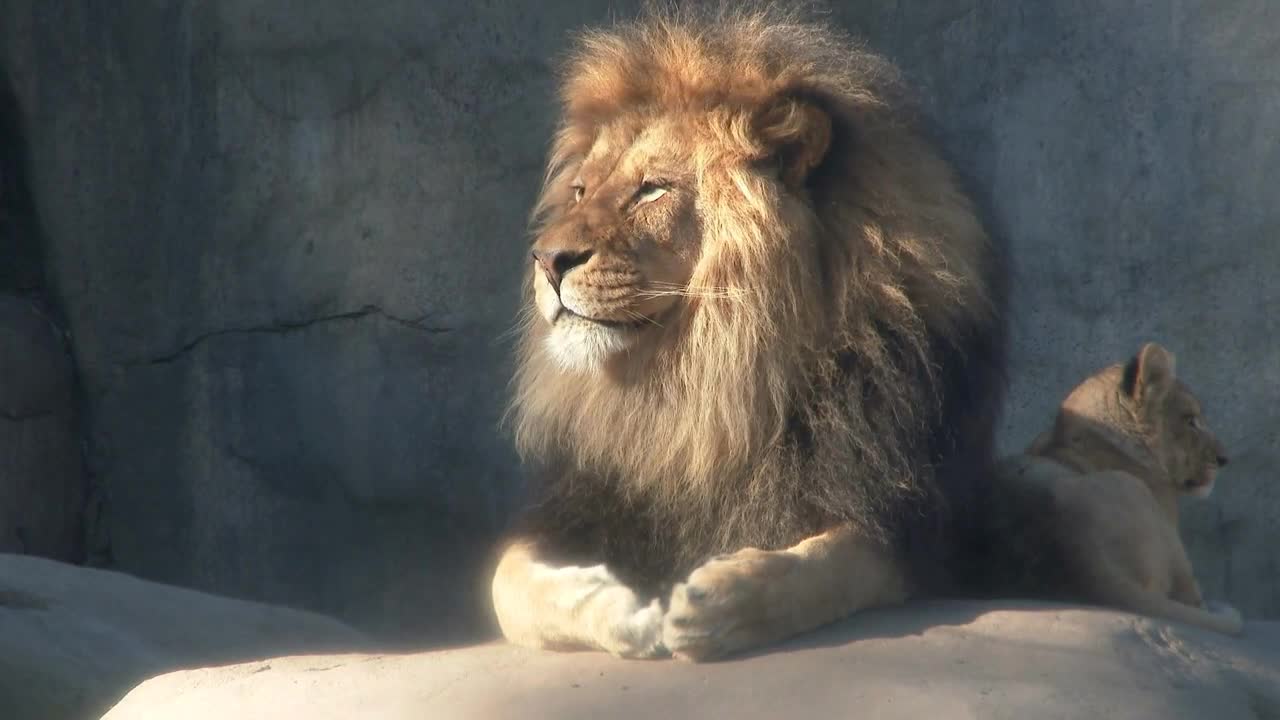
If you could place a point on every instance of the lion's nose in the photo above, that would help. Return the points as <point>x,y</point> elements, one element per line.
<point>1222,460</point>
<point>555,263</point>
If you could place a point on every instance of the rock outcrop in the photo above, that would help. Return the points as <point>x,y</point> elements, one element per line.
<point>42,480</point>
<point>74,640</point>
<point>943,661</point>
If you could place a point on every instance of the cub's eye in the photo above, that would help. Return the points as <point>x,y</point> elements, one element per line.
<point>1194,421</point>
<point>578,192</point>
<point>649,191</point>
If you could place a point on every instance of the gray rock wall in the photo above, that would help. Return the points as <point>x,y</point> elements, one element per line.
<point>43,498</point>
<point>42,480</point>
<point>287,238</point>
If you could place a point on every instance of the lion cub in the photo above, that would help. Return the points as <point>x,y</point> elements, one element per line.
<point>1090,511</point>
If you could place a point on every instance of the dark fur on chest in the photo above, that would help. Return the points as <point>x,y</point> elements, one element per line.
<point>812,483</point>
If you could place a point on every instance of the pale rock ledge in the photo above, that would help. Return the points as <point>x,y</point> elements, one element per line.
<point>74,641</point>
<point>935,660</point>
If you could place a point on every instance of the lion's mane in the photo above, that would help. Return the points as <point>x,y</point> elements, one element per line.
<point>854,373</point>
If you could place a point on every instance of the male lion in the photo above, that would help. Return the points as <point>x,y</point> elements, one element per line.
<point>1090,511</point>
<point>765,348</point>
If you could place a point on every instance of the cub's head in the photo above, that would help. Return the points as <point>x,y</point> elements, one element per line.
<point>1138,416</point>
<point>1172,421</point>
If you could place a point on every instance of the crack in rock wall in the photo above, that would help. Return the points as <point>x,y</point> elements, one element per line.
<point>43,485</point>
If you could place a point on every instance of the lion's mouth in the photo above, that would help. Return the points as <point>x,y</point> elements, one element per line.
<point>1202,482</point>
<point>565,313</point>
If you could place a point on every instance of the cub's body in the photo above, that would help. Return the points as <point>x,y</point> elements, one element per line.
<point>1090,511</point>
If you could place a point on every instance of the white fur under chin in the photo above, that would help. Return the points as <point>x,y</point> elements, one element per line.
<point>1202,492</point>
<point>580,346</point>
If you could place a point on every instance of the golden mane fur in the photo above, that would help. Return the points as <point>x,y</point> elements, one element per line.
<point>830,304</point>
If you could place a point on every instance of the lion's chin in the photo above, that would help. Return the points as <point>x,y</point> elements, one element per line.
<point>580,345</point>
<point>1202,487</point>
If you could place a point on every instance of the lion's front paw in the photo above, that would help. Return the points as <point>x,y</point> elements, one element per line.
<point>1225,611</point>
<point>731,603</point>
<point>638,633</point>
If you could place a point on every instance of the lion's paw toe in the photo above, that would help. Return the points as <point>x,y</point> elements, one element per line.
<point>692,629</point>
<point>639,634</point>
<point>725,605</point>
<point>1227,612</point>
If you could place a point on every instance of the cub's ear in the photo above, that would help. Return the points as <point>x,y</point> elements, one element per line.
<point>797,133</point>
<point>1149,375</point>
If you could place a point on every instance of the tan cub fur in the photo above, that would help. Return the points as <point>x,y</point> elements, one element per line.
<point>1092,506</point>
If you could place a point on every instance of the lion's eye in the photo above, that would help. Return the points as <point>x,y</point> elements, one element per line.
<point>578,192</point>
<point>1194,421</point>
<point>650,191</point>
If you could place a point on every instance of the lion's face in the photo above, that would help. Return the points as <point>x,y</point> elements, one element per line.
<point>1192,453</point>
<point>1173,422</point>
<point>1142,410</point>
<point>615,262</point>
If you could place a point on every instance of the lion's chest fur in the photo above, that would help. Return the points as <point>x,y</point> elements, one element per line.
<point>651,538</point>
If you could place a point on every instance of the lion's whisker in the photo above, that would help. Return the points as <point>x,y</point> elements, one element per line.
<point>691,291</point>
<point>697,288</point>
<point>518,325</point>
<point>689,294</point>
<point>641,317</point>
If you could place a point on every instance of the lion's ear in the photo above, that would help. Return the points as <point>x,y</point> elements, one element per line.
<point>798,134</point>
<point>1149,375</point>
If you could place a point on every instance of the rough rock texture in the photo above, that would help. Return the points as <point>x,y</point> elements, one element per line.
<point>944,661</point>
<point>287,237</point>
<point>42,483</point>
<point>22,268</point>
<point>42,474</point>
<point>287,241</point>
<point>74,640</point>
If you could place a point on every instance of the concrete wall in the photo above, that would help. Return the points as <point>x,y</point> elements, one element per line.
<point>287,236</point>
